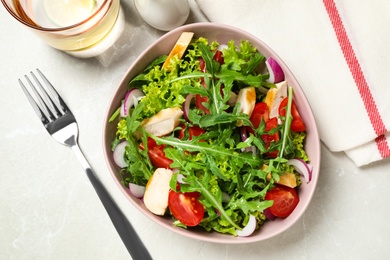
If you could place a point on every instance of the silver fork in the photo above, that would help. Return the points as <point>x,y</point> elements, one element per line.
<point>62,126</point>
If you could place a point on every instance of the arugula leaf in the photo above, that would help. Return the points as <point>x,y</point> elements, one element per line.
<point>114,115</point>
<point>223,118</point>
<point>207,55</point>
<point>227,75</point>
<point>251,205</point>
<point>187,89</point>
<point>287,124</point>
<point>255,60</point>
<point>139,165</point>
<point>217,104</point>
<point>195,146</point>
<point>159,60</point>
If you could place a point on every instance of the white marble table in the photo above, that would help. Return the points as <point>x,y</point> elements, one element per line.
<point>49,210</point>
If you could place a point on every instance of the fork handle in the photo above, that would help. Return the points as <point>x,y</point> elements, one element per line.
<point>125,230</point>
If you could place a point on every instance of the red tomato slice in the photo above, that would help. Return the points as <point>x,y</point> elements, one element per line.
<point>192,131</point>
<point>158,159</point>
<point>156,154</point>
<point>285,200</point>
<point>260,112</point>
<point>182,132</point>
<point>268,138</point>
<point>198,103</point>
<point>202,64</point>
<point>195,131</point>
<point>271,124</point>
<point>297,124</point>
<point>186,207</point>
<point>218,57</point>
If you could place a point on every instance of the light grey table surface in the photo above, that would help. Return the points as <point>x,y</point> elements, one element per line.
<point>49,210</point>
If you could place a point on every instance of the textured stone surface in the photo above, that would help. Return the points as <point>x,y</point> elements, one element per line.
<point>49,210</point>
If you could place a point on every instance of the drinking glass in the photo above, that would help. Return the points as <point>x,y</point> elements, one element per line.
<point>82,28</point>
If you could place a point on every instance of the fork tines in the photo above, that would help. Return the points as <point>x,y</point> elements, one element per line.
<point>50,106</point>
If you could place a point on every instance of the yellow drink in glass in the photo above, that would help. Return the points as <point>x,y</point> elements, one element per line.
<point>73,26</point>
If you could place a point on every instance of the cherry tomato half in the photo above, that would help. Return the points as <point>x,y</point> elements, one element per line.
<point>297,124</point>
<point>285,200</point>
<point>269,138</point>
<point>156,154</point>
<point>186,207</point>
<point>260,112</point>
<point>202,64</point>
<point>219,57</point>
<point>192,131</point>
<point>198,103</point>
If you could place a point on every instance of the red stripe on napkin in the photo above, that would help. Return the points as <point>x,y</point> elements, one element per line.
<point>357,73</point>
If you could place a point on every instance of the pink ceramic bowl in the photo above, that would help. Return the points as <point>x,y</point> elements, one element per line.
<point>222,34</point>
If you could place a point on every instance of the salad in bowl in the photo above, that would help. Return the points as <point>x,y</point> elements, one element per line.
<point>213,138</point>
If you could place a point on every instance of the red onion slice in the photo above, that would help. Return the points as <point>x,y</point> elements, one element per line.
<point>267,213</point>
<point>302,168</point>
<point>137,190</point>
<point>276,73</point>
<point>243,133</point>
<point>180,178</point>
<point>119,154</point>
<point>250,149</point>
<point>186,106</point>
<point>244,136</point>
<point>221,47</point>
<point>249,228</point>
<point>131,99</point>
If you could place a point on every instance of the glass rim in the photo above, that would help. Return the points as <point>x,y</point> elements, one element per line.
<point>57,29</point>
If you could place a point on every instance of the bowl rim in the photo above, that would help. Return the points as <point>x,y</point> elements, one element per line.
<point>313,132</point>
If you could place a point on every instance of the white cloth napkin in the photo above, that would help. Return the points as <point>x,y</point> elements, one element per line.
<point>339,51</point>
